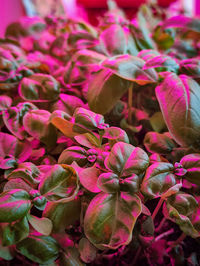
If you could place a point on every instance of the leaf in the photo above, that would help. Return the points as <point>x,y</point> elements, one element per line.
<point>40,249</point>
<point>162,63</point>
<point>5,102</point>
<point>130,67</point>
<point>164,37</point>
<point>87,251</point>
<point>89,140</point>
<point>125,159</point>
<point>190,67</point>
<point>104,90</point>
<point>16,183</point>
<point>39,88</point>
<point>182,22</point>
<point>89,119</point>
<point>159,143</point>
<point>6,253</point>
<point>191,163</point>
<point>88,178</point>
<point>113,40</point>
<point>63,215</point>
<point>14,205</point>
<point>37,124</point>
<point>110,218</point>
<point>86,57</point>
<point>148,54</point>
<point>42,225</point>
<point>157,122</point>
<point>179,98</point>
<point>15,232</point>
<point>59,183</point>
<point>73,154</point>
<point>59,120</point>
<point>13,118</point>
<point>12,151</point>
<point>115,134</point>
<point>70,257</point>
<point>67,103</point>
<point>184,203</point>
<point>26,171</point>
<point>108,182</point>
<point>177,208</point>
<point>159,178</point>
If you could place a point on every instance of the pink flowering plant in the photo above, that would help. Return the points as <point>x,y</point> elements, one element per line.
<point>100,140</point>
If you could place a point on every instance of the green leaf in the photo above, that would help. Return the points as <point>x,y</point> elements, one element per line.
<point>15,232</point>
<point>40,249</point>
<point>61,121</point>
<point>125,159</point>
<point>157,122</point>
<point>87,251</point>
<point>108,182</point>
<point>5,102</point>
<point>14,204</point>
<point>16,183</point>
<point>159,178</point>
<point>177,208</point>
<point>191,163</point>
<point>67,103</point>
<point>13,118</point>
<point>181,21</point>
<point>89,119</point>
<point>110,219</point>
<point>190,67</point>
<point>59,183</point>
<point>164,37</point>
<point>37,124</point>
<point>12,150</point>
<point>104,90</point>
<point>42,225</point>
<point>26,171</point>
<point>39,88</point>
<point>85,57</point>
<point>159,143</point>
<point>162,63</point>
<point>63,215</point>
<point>70,257</point>
<point>179,99</point>
<point>88,178</point>
<point>184,203</point>
<point>131,68</point>
<point>115,134</point>
<point>113,40</point>
<point>73,154</point>
<point>6,253</point>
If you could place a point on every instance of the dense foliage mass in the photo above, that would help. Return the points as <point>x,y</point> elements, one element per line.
<point>100,140</point>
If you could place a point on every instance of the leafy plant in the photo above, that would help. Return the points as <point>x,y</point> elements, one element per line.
<point>100,140</point>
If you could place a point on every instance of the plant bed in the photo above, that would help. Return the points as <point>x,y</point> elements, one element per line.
<point>100,141</point>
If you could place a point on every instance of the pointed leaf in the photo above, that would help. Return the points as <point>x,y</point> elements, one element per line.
<point>130,67</point>
<point>40,249</point>
<point>179,98</point>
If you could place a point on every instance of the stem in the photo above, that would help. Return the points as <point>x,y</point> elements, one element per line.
<point>137,255</point>
<point>169,232</point>
<point>130,103</point>
<point>175,243</point>
<point>157,208</point>
<point>161,224</point>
